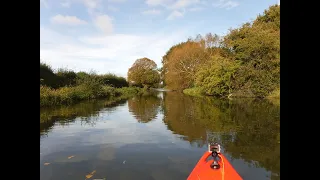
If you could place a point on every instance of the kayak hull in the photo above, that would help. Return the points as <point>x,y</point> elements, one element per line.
<point>203,171</point>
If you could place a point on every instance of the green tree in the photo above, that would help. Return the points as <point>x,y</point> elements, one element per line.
<point>257,46</point>
<point>246,62</point>
<point>216,78</point>
<point>47,76</point>
<point>182,61</point>
<point>66,77</point>
<point>144,73</point>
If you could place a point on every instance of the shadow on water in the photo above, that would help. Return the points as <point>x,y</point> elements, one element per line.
<point>248,129</point>
<point>160,136</point>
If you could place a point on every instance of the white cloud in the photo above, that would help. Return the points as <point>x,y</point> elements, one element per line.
<point>225,4</point>
<point>103,23</point>
<point>65,4</point>
<point>91,4</point>
<point>152,11</point>
<point>183,4</point>
<point>68,20</point>
<point>178,7</point>
<point>105,53</point>
<point>175,14</point>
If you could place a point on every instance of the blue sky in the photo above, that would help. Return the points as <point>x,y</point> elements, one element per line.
<point>109,35</point>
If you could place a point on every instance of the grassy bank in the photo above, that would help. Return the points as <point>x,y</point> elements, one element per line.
<point>198,92</point>
<point>71,95</point>
<point>195,91</point>
<point>65,87</point>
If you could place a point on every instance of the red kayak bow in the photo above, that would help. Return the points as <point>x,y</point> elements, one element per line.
<point>218,168</point>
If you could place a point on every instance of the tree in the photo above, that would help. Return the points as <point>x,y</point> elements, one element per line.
<point>180,64</point>
<point>216,77</point>
<point>257,45</point>
<point>245,62</point>
<point>66,77</point>
<point>183,60</point>
<point>47,76</point>
<point>144,73</point>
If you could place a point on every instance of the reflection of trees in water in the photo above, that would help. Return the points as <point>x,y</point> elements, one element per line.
<point>145,107</point>
<point>179,116</point>
<point>87,111</point>
<point>257,137</point>
<point>247,129</point>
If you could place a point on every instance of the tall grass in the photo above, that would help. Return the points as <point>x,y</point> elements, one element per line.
<point>71,95</point>
<point>65,77</point>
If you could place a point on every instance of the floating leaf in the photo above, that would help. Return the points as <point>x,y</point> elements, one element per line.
<point>70,157</point>
<point>88,176</point>
<point>46,164</point>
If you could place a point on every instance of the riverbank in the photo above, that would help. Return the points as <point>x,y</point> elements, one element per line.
<point>66,87</point>
<point>71,95</point>
<point>198,92</point>
<point>195,91</point>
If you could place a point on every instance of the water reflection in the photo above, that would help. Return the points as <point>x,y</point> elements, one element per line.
<point>247,129</point>
<point>132,161</point>
<point>145,108</point>
<point>158,136</point>
<point>180,118</point>
<point>86,111</point>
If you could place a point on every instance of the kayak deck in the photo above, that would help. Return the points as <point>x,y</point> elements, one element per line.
<point>203,170</point>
